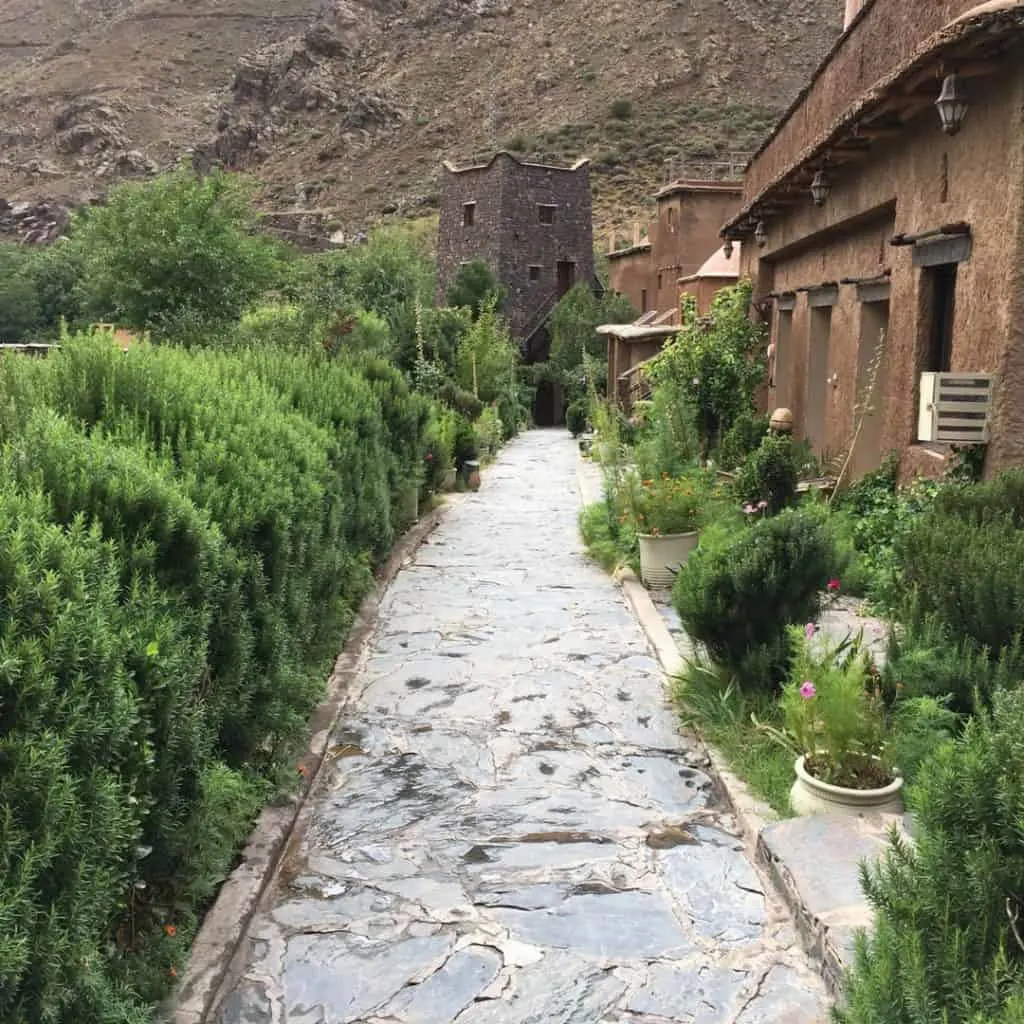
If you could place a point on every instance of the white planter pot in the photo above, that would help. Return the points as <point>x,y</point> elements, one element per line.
<point>661,556</point>
<point>811,796</point>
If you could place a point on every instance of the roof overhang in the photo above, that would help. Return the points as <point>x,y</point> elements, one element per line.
<point>631,250</point>
<point>453,169</point>
<point>973,42</point>
<point>638,332</point>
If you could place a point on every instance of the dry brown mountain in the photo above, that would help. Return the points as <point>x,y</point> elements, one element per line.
<point>343,110</point>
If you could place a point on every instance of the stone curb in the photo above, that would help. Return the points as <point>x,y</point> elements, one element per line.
<point>752,814</point>
<point>227,921</point>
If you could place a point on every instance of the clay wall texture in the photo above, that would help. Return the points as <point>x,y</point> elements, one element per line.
<point>682,237</point>
<point>509,235</point>
<point>685,234</point>
<point>917,181</point>
<point>629,274</point>
<point>885,35</point>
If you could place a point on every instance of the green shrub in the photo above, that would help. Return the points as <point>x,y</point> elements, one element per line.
<point>489,433</point>
<point>962,560</point>
<point>186,537</point>
<point>769,474</point>
<point>576,417</point>
<point>737,598</point>
<point>667,441</point>
<point>744,437</point>
<point>928,660</point>
<point>942,947</point>
<point>621,110</point>
<point>465,443</point>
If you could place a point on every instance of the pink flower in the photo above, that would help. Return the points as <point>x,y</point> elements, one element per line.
<point>810,630</point>
<point>833,586</point>
<point>762,505</point>
<point>808,689</point>
<point>749,509</point>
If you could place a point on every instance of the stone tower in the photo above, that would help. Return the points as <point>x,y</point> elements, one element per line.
<point>530,223</point>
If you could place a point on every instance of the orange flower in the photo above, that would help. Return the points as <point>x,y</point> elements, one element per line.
<point>173,972</point>
<point>170,930</point>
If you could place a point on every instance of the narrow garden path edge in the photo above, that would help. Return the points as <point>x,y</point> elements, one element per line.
<point>227,921</point>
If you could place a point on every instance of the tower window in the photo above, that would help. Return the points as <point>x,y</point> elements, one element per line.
<point>546,214</point>
<point>534,272</point>
<point>468,214</point>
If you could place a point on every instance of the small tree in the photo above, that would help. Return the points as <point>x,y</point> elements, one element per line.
<point>474,286</point>
<point>179,249</point>
<point>487,357</point>
<point>573,326</point>
<point>390,275</point>
<point>719,359</point>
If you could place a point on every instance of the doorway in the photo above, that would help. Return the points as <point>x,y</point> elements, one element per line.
<point>565,276</point>
<point>867,451</point>
<point>783,378</point>
<point>547,404</point>
<point>817,374</point>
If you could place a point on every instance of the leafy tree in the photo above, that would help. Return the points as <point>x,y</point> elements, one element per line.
<point>19,306</point>
<point>719,359</point>
<point>473,287</point>
<point>55,272</point>
<point>488,347</point>
<point>177,250</point>
<point>573,325</point>
<point>389,275</point>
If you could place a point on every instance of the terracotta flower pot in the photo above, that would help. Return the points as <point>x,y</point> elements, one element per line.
<point>662,555</point>
<point>812,796</point>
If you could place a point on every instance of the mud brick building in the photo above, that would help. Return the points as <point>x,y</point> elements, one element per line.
<point>680,239</point>
<point>531,223</point>
<point>883,226</point>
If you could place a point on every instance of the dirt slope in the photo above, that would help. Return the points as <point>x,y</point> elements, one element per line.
<point>344,110</point>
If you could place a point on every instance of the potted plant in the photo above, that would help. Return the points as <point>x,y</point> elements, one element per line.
<point>835,724</point>
<point>668,512</point>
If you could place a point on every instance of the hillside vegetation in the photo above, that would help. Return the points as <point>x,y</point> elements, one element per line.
<point>345,110</point>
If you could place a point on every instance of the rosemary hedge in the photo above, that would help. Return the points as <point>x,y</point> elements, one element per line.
<point>947,944</point>
<point>184,540</point>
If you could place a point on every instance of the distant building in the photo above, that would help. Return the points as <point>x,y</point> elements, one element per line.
<point>531,223</point>
<point>720,270</point>
<point>679,240</point>
<point>883,225</point>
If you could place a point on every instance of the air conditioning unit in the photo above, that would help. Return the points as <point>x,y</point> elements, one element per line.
<point>955,408</point>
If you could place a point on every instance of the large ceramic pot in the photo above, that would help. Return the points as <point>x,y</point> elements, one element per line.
<point>812,796</point>
<point>662,555</point>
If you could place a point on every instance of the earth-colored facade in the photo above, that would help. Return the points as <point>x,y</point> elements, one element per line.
<point>913,260</point>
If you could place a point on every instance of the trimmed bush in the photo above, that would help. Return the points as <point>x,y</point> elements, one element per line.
<point>737,598</point>
<point>942,947</point>
<point>770,474</point>
<point>576,417</point>
<point>962,561</point>
<point>743,438</point>
<point>185,539</point>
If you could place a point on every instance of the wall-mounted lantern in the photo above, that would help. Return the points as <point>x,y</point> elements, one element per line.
<point>952,104</point>
<point>821,188</point>
<point>727,248</point>
<point>761,234</point>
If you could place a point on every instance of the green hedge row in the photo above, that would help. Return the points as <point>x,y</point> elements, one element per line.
<point>184,540</point>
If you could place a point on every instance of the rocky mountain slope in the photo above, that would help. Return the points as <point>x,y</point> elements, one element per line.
<point>343,110</point>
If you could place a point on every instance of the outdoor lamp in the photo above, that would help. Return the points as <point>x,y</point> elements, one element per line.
<point>952,104</point>
<point>727,248</point>
<point>760,234</point>
<point>820,188</point>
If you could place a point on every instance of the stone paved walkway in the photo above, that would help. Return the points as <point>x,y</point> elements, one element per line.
<point>512,830</point>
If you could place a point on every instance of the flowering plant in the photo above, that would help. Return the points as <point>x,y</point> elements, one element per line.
<point>670,505</point>
<point>833,712</point>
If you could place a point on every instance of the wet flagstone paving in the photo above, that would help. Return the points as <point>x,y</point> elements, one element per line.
<point>512,829</point>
